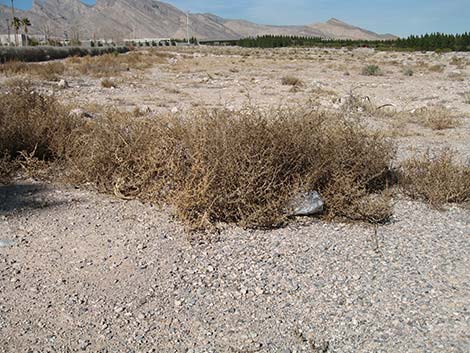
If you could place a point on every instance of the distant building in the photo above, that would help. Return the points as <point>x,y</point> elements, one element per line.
<point>150,42</point>
<point>9,40</point>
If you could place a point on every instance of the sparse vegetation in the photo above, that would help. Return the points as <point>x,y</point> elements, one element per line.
<point>408,71</point>
<point>47,71</point>
<point>437,68</point>
<point>371,70</point>
<point>107,83</point>
<point>436,178</point>
<point>215,166</point>
<point>466,97</point>
<point>292,81</point>
<point>211,166</point>
<point>32,124</point>
<point>436,118</point>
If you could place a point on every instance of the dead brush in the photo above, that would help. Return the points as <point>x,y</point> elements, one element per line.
<point>292,81</point>
<point>435,118</point>
<point>436,178</point>
<point>31,122</point>
<point>46,71</point>
<point>127,156</point>
<point>241,167</point>
<point>108,83</point>
<point>356,104</point>
<point>110,64</point>
<point>213,166</point>
<point>466,97</point>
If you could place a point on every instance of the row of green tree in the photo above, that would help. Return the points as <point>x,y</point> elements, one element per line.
<point>433,41</point>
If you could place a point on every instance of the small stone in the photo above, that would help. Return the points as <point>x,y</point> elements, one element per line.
<point>84,344</point>
<point>63,84</point>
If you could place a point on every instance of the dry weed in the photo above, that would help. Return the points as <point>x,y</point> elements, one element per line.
<point>372,70</point>
<point>111,64</point>
<point>437,178</point>
<point>437,68</point>
<point>292,81</point>
<point>46,71</point>
<point>108,83</point>
<point>32,123</point>
<point>436,118</point>
<point>466,97</point>
<point>242,167</point>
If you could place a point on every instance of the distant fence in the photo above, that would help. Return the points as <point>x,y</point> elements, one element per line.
<point>44,53</point>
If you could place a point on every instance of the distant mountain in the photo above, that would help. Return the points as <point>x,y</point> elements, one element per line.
<point>337,29</point>
<point>118,19</point>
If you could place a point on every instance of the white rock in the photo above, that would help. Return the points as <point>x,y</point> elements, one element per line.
<point>62,84</point>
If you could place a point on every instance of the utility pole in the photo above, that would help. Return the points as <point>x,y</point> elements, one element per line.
<point>12,10</point>
<point>8,29</point>
<point>187,25</point>
<point>12,18</point>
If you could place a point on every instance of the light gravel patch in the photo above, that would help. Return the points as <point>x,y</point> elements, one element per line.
<point>91,273</point>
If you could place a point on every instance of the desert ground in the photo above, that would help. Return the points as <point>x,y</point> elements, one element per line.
<point>83,271</point>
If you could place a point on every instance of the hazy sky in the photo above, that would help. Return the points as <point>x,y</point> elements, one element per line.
<point>400,17</point>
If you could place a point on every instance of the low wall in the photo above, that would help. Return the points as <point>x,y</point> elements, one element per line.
<point>44,53</point>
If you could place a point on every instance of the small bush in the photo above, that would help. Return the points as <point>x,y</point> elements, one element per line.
<point>107,83</point>
<point>238,167</point>
<point>437,179</point>
<point>32,124</point>
<point>408,71</point>
<point>436,118</point>
<point>111,64</point>
<point>437,68</point>
<point>214,166</point>
<point>292,81</point>
<point>48,71</point>
<point>466,97</point>
<point>372,70</point>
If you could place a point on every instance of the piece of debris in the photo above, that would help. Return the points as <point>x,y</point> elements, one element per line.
<point>306,204</point>
<point>80,113</point>
<point>5,243</point>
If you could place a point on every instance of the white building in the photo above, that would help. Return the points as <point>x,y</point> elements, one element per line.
<point>9,40</point>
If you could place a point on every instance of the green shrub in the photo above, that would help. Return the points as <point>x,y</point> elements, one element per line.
<point>372,70</point>
<point>408,71</point>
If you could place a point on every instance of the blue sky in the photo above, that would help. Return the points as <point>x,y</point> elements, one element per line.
<point>400,17</point>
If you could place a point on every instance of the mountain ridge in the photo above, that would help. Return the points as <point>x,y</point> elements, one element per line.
<point>119,19</point>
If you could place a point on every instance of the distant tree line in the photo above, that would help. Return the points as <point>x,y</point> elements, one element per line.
<point>432,42</point>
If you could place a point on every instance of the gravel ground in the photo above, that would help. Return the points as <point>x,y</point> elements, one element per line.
<point>91,273</point>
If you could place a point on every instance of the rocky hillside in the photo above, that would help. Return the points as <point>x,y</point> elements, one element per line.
<point>119,19</point>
